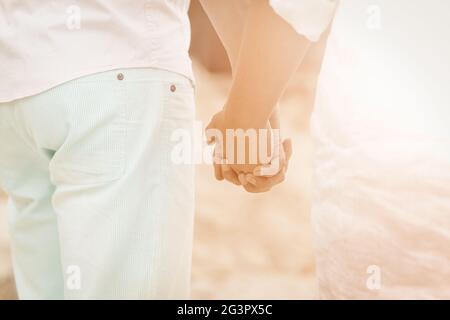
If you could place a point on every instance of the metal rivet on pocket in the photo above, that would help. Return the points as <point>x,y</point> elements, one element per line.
<point>173,88</point>
<point>120,76</point>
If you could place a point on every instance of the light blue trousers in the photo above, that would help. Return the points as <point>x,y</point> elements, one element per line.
<point>97,209</point>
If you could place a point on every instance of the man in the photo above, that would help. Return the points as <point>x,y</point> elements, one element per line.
<point>90,96</point>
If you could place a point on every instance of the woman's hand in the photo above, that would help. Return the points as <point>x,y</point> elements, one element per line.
<point>258,170</point>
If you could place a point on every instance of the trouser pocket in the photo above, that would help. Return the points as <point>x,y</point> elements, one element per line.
<point>93,150</point>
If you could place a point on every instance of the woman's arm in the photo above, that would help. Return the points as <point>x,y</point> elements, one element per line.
<point>228,19</point>
<point>270,53</point>
<point>237,22</point>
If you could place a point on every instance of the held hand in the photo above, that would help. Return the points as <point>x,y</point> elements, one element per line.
<point>255,176</point>
<point>232,157</point>
<point>260,182</point>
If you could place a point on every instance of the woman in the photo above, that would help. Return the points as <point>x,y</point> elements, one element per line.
<point>381,208</point>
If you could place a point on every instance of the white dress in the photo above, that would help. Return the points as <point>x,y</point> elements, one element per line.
<point>381,125</point>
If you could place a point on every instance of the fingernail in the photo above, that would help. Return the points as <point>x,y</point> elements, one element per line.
<point>250,178</point>
<point>225,168</point>
<point>257,172</point>
<point>242,179</point>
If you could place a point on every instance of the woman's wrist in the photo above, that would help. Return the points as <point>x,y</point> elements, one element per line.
<point>240,116</point>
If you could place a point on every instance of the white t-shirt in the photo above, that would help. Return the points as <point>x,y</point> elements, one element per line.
<point>310,18</point>
<point>381,125</point>
<point>45,43</point>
